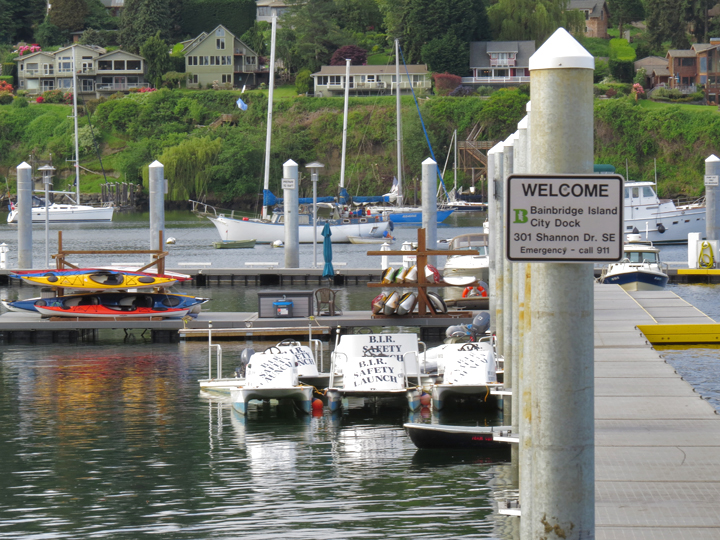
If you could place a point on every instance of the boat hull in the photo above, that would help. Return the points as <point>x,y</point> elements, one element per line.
<point>302,395</point>
<point>638,280</point>
<point>231,229</point>
<point>116,303</point>
<point>67,213</point>
<point>104,312</point>
<point>234,244</point>
<point>409,217</point>
<point>676,225</point>
<point>445,436</point>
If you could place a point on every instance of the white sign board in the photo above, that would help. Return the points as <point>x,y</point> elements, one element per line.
<point>711,180</point>
<point>288,183</point>
<point>564,218</point>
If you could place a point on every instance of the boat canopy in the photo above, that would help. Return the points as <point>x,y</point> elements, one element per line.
<point>271,200</point>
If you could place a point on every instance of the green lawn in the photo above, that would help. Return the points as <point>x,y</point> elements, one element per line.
<point>649,104</point>
<point>378,59</point>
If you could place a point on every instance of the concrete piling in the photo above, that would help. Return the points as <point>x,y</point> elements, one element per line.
<point>291,209</point>
<point>24,203</point>
<point>712,217</point>
<point>429,205</point>
<point>157,189</point>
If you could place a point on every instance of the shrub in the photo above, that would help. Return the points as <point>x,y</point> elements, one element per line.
<point>5,86</point>
<point>8,79</point>
<point>303,82</point>
<point>5,98</point>
<point>52,96</point>
<point>611,93</point>
<point>462,91</point>
<point>19,102</point>
<point>446,82</point>
<point>39,99</point>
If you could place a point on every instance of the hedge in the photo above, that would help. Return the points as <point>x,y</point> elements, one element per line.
<point>8,68</point>
<point>8,79</point>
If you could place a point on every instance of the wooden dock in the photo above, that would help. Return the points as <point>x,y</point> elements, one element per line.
<point>657,442</point>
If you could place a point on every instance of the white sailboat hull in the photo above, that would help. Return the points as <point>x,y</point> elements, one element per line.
<point>65,213</point>
<point>266,233</point>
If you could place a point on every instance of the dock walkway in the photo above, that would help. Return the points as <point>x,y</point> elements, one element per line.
<point>657,442</point>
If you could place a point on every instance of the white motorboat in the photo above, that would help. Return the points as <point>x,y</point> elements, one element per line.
<point>639,270</point>
<point>376,367</point>
<point>464,369</point>
<point>268,231</point>
<point>272,374</point>
<point>660,221</point>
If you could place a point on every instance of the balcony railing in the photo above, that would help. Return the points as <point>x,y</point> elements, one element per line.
<point>504,62</point>
<point>119,87</point>
<point>495,80</point>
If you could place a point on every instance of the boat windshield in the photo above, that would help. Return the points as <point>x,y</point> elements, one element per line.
<point>642,256</point>
<point>471,241</point>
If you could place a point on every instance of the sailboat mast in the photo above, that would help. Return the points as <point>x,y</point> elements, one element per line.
<point>271,85</point>
<point>75,119</point>
<point>345,115</point>
<point>398,124</point>
<point>455,160</point>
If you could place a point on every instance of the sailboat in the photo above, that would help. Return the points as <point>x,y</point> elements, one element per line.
<point>269,229</point>
<point>74,211</point>
<point>397,212</point>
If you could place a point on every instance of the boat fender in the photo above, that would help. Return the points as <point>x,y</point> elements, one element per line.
<point>660,228</point>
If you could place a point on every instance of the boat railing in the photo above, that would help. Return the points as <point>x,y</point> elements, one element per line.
<point>690,203</point>
<point>203,210</point>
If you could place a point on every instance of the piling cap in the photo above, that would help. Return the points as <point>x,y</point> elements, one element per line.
<point>289,163</point>
<point>561,51</point>
<point>24,165</point>
<point>429,161</point>
<point>523,124</point>
<point>156,163</point>
<point>712,159</point>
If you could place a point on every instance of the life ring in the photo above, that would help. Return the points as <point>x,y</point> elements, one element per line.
<point>475,291</point>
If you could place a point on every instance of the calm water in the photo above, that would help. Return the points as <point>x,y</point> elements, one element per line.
<point>114,440</point>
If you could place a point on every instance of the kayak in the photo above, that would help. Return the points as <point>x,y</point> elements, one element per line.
<point>95,279</point>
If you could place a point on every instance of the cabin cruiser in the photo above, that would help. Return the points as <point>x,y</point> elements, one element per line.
<point>639,270</point>
<point>660,221</point>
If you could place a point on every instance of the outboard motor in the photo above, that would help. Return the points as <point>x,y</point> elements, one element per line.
<point>480,324</point>
<point>244,361</point>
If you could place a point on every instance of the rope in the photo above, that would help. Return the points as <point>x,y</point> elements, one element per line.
<point>706,258</point>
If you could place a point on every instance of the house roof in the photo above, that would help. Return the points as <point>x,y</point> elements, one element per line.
<point>480,50</point>
<point>650,62</point>
<point>26,56</point>
<point>91,48</point>
<point>681,53</point>
<point>593,6</point>
<point>661,72</point>
<point>113,3</point>
<point>700,47</point>
<point>413,69</point>
<point>119,51</point>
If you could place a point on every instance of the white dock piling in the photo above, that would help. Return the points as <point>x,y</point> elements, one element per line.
<point>712,219</point>
<point>291,209</point>
<point>563,464</point>
<point>24,221</point>
<point>429,205</point>
<point>158,189</point>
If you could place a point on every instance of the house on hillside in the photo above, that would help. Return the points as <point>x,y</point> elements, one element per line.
<point>596,16</point>
<point>682,65</point>
<point>656,70</point>
<point>499,63</point>
<point>114,6</point>
<point>220,57</point>
<point>98,72</point>
<point>708,69</point>
<point>370,80</point>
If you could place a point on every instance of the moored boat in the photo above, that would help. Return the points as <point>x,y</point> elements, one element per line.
<point>234,244</point>
<point>639,270</point>
<point>447,436</point>
<point>63,213</point>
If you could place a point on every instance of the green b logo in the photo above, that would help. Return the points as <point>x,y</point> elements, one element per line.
<point>520,216</point>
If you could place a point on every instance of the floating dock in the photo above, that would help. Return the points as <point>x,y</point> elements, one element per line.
<point>657,442</point>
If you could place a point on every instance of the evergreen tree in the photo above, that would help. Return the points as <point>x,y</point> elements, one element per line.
<point>68,15</point>
<point>155,53</point>
<point>428,20</point>
<point>316,33</point>
<point>141,20</point>
<point>7,22</point>
<point>446,54</point>
<point>98,16</point>
<point>623,12</point>
<point>532,19</point>
<point>665,22</point>
<point>258,37</point>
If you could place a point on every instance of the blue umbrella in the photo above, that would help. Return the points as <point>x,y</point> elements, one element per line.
<point>328,271</point>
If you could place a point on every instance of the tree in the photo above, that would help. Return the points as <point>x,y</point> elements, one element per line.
<point>98,16</point>
<point>532,19</point>
<point>426,20</point>
<point>141,20</point>
<point>48,35</point>
<point>665,22</point>
<point>625,11</point>
<point>258,37</point>
<point>155,52</point>
<point>357,56</point>
<point>446,54</point>
<point>303,82</point>
<point>359,15</point>
<point>68,15</point>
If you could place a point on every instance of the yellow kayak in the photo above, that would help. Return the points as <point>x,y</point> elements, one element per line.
<point>95,279</point>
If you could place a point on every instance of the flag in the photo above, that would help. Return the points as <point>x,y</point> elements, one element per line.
<point>241,104</point>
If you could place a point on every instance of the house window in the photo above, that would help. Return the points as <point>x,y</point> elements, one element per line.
<point>64,65</point>
<point>134,65</point>
<point>417,80</point>
<point>119,65</point>
<point>249,59</point>
<point>192,60</point>
<point>65,83</point>
<point>220,32</point>
<point>32,68</point>
<point>88,85</point>
<point>193,79</point>
<point>336,80</point>
<point>106,80</point>
<point>587,15</point>
<point>48,85</point>
<point>48,69</point>
<point>22,83</point>
<point>104,65</point>
<point>321,80</point>
<point>220,43</point>
<point>703,79</point>
<point>687,62</point>
<point>226,78</point>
